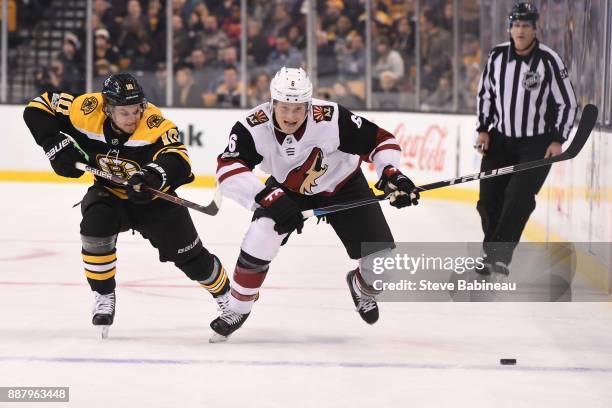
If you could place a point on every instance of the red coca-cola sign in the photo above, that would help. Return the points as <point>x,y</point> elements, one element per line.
<point>425,152</point>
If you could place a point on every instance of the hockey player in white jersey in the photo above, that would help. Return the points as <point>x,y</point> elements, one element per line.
<point>313,150</point>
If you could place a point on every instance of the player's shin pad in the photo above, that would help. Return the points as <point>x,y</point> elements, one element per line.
<point>100,270</point>
<point>218,282</point>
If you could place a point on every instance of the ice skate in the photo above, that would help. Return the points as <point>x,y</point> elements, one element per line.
<point>229,321</point>
<point>103,312</point>
<point>366,305</point>
<point>500,272</point>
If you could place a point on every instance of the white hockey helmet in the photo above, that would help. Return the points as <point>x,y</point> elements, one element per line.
<point>291,85</point>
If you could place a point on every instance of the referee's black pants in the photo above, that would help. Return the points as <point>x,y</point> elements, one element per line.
<point>506,202</point>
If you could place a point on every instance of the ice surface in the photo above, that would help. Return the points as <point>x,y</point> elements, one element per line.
<point>303,346</point>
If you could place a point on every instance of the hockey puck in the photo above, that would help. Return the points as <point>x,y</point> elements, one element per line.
<point>507,361</point>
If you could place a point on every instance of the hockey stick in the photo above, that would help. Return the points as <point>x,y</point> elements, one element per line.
<point>586,125</point>
<point>210,209</point>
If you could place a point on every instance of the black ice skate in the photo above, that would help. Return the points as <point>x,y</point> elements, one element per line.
<point>500,272</point>
<point>487,266</point>
<point>103,311</point>
<point>366,305</point>
<point>228,322</point>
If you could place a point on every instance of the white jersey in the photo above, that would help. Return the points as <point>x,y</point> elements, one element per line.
<point>319,158</point>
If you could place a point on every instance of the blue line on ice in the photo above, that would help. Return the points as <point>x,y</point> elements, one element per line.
<point>323,364</point>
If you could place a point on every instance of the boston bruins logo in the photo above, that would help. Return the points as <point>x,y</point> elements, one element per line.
<point>531,80</point>
<point>117,166</point>
<point>154,121</point>
<point>89,105</point>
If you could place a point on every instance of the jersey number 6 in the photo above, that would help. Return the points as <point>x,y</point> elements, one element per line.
<point>231,146</point>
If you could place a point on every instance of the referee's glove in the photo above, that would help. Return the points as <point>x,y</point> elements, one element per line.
<point>401,190</point>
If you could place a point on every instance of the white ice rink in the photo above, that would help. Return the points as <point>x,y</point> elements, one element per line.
<point>303,346</point>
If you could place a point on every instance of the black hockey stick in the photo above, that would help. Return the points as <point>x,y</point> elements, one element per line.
<point>586,125</point>
<point>210,209</point>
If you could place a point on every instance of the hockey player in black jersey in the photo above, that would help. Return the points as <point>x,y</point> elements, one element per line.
<point>313,149</point>
<point>119,132</point>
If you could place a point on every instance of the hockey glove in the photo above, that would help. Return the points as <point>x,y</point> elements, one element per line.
<point>63,155</point>
<point>282,209</point>
<point>152,175</point>
<point>400,187</point>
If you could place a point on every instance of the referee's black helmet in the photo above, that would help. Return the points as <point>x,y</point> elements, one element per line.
<point>524,11</point>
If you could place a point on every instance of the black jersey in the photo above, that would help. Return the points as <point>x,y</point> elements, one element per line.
<point>155,139</point>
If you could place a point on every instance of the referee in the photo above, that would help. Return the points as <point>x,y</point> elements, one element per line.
<point>526,109</point>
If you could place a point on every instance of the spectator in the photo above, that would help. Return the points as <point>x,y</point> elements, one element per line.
<point>181,43</point>
<point>258,48</point>
<point>231,23</point>
<point>73,64</point>
<point>284,55</point>
<point>389,96</point>
<point>228,93</point>
<point>103,49</point>
<point>442,97</point>
<point>327,60</point>
<point>281,21</point>
<point>204,74</point>
<point>52,79</point>
<point>344,97</point>
<point>212,39</point>
<point>296,36</point>
<point>470,50</point>
<point>404,41</point>
<point>229,56</point>
<point>132,27</point>
<point>436,49</point>
<point>102,69</point>
<point>260,91</point>
<point>104,12</point>
<point>156,93</point>
<point>155,23</point>
<point>187,93</point>
<point>388,60</point>
<point>352,61</point>
<point>144,59</point>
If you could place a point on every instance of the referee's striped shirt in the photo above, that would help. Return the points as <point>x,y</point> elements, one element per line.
<point>526,96</point>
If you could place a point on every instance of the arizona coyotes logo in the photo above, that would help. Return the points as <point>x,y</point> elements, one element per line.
<point>322,113</point>
<point>257,118</point>
<point>117,166</point>
<point>303,178</point>
<point>89,105</point>
<point>154,121</point>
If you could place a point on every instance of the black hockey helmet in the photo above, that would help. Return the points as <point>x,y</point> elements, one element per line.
<point>121,90</point>
<point>524,11</point>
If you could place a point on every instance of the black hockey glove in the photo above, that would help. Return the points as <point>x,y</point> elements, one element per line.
<point>400,187</point>
<point>63,155</point>
<point>152,175</point>
<point>282,209</point>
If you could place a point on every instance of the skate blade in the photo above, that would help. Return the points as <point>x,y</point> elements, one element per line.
<point>104,332</point>
<point>217,338</point>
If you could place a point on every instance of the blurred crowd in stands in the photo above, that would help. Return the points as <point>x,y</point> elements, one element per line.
<point>131,36</point>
